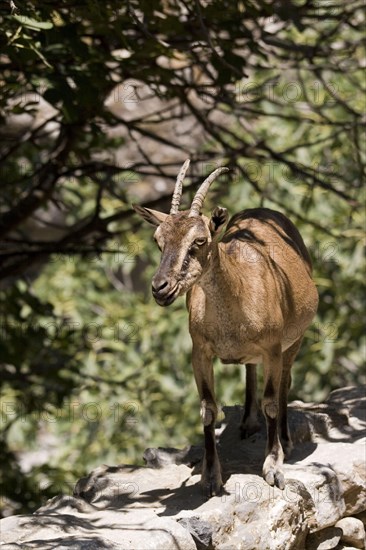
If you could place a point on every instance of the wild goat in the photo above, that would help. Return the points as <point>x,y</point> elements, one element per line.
<point>250,298</point>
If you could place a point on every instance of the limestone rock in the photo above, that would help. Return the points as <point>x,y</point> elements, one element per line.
<point>200,530</point>
<point>161,506</point>
<point>353,531</point>
<point>66,523</point>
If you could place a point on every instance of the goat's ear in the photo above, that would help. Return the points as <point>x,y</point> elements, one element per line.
<point>151,216</point>
<point>218,219</point>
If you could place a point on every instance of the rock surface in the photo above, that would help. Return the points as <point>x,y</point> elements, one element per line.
<point>161,506</point>
<point>353,531</point>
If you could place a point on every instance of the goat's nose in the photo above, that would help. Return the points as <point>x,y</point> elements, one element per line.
<point>159,285</point>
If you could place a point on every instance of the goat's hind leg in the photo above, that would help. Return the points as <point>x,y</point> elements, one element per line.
<point>272,467</point>
<point>288,359</point>
<point>250,423</point>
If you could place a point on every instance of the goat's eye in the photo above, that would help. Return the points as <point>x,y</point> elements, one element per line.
<point>201,241</point>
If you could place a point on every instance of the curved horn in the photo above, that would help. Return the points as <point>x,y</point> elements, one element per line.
<point>178,188</point>
<point>199,197</point>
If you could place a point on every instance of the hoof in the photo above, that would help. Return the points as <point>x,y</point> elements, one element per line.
<point>212,489</point>
<point>212,483</point>
<point>275,478</point>
<point>272,472</point>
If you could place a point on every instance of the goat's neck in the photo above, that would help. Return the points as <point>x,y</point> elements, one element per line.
<point>216,274</point>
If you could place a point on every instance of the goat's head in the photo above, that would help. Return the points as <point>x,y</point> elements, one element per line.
<point>184,238</point>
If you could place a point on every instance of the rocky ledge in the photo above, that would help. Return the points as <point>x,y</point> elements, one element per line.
<point>160,506</point>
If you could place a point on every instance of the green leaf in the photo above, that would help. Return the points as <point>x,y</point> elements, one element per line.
<point>33,24</point>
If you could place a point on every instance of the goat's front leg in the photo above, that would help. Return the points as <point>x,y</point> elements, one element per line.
<point>203,372</point>
<point>272,467</point>
<point>250,423</point>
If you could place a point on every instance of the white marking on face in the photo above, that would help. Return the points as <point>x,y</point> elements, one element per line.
<point>183,251</point>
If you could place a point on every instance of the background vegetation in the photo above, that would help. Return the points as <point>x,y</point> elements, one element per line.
<point>100,103</point>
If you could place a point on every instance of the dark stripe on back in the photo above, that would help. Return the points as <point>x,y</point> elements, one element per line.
<point>272,218</point>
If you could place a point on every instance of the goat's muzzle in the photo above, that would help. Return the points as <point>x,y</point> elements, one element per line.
<point>163,292</point>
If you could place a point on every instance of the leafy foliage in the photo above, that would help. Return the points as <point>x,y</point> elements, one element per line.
<point>100,104</point>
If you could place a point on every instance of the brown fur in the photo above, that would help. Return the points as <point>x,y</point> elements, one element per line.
<point>250,298</point>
